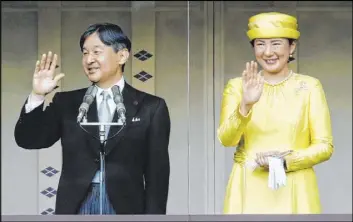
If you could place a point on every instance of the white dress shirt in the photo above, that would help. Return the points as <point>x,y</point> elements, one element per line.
<point>111,103</point>
<point>35,101</point>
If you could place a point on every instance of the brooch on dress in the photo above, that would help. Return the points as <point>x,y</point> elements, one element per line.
<point>302,86</point>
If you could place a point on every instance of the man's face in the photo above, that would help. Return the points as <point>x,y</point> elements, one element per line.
<point>100,62</point>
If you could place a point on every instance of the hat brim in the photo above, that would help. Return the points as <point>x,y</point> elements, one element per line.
<point>273,33</point>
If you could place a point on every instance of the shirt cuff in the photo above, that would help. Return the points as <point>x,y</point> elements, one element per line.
<point>33,102</point>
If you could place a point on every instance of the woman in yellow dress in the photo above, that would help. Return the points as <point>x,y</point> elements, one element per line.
<point>274,112</point>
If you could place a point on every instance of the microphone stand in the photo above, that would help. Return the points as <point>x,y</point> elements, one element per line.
<point>102,139</point>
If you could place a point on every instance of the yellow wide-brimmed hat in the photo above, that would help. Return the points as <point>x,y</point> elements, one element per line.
<point>273,25</point>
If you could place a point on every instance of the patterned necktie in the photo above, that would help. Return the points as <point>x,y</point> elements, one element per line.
<point>104,113</point>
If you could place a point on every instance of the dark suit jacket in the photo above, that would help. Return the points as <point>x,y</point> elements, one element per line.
<point>137,160</point>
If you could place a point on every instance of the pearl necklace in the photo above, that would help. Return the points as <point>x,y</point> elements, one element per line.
<point>277,83</point>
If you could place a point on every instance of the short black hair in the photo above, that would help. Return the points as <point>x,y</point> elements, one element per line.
<point>110,34</point>
<point>291,58</point>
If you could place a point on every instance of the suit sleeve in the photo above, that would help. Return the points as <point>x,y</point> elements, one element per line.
<point>232,122</point>
<point>321,147</point>
<point>158,167</point>
<point>39,128</point>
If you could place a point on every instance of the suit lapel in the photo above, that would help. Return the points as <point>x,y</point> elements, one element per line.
<point>131,102</point>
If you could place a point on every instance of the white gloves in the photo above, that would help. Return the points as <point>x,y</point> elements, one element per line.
<point>276,176</point>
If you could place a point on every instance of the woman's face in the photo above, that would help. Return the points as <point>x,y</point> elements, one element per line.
<point>272,54</point>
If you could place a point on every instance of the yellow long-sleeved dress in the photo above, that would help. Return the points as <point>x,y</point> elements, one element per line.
<point>290,115</point>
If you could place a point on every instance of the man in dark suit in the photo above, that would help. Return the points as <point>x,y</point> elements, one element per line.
<point>137,160</point>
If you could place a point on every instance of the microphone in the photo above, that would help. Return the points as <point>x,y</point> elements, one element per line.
<point>119,101</point>
<point>87,101</point>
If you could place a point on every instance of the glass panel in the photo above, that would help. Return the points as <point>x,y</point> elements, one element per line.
<point>324,51</point>
<point>18,57</point>
<point>171,84</point>
<point>159,35</point>
<point>181,40</point>
<point>232,51</point>
<point>200,106</point>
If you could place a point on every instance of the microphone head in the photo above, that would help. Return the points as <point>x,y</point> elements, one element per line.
<point>94,90</point>
<point>90,89</point>
<point>116,90</point>
<point>120,108</point>
<point>90,94</point>
<point>87,100</point>
<point>118,98</point>
<point>84,107</point>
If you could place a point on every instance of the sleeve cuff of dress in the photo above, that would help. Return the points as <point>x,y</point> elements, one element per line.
<point>241,116</point>
<point>290,162</point>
